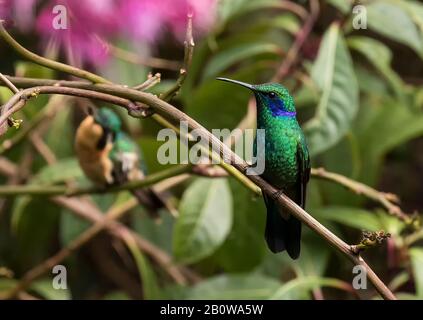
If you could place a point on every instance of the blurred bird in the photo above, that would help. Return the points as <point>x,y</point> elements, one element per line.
<point>110,157</point>
<point>287,162</point>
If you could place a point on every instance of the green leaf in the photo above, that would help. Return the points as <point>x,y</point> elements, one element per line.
<point>379,119</point>
<point>334,75</point>
<point>235,287</point>
<point>230,9</point>
<point>45,289</point>
<point>380,56</point>
<point>71,226</point>
<point>244,247</point>
<point>223,60</point>
<point>205,219</point>
<point>159,234</point>
<point>393,22</point>
<point>33,70</point>
<point>416,255</point>
<point>61,171</point>
<point>148,277</point>
<point>61,144</point>
<point>34,221</point>
<point>299,287</point>
<point>352,217</point>
<point>342,5</point>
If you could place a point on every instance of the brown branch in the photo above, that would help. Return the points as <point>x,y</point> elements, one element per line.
<point>19,100</point>
<point>300,39</point>
<point>189,50</point>
<point>42,117</point>
<point>9,84</point>
<point>150,82</point>
<point>385,199</point>
<point>132,57</point>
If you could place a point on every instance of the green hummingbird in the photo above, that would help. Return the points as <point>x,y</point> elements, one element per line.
<point>286,159</point>
<point>108,156</point>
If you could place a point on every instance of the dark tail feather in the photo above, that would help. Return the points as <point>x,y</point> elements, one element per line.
<point>282,234</point>
<point>150,200</point>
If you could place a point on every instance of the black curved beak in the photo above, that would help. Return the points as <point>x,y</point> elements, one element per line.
<point>244,84</point>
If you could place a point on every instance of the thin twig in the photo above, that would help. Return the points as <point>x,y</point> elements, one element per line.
<point>132,57</point>
<point>189,49</point>
<point>47,62</point>
<point>43,116</point>
<point>19,100</point>
<point>8,83</point>
<point>300,39</point>
<point>150,82</point>
<point>385,199</point>
<point>55,190</point>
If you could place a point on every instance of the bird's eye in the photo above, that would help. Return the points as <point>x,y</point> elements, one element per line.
<point>272,94</point>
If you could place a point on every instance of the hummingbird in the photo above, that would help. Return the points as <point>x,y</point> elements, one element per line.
<point>287,162</point>
<point>108,156</point>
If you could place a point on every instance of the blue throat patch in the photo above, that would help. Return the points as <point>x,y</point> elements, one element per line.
<point>277,107</point>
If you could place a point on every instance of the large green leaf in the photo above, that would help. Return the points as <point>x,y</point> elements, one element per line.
<point>45,289</point>
<point>205,219</point>
<point>245,247</point>
<point>235,287</point>
<point>395,23</point>
<point>221,61</point>
<point>148,277</point>
<point>60,136</point>
<point>342,5</point>
<point>380,56</point>
<point>384,125</point>
<point>61,171</point>
<point>416,255</point>
<point>334,75</point>
<point>352,217</point>
<point>299,287</point>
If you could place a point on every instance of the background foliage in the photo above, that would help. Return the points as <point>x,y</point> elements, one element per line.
<point>359,97</point>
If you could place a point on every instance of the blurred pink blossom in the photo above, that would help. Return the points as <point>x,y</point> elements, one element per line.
<point>91,21</point>
<point>148,19</point>
<point>87,22</point>
<point>20,12</point>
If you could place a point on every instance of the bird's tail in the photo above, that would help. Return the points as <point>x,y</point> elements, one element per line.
<point>283,231</point>
<point>150,200</point>
<point>153,201</point>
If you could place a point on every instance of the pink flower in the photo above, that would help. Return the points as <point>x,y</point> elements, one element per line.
<point>87,22</point>
<point>148,19</point>
<point>21,12</point>
<point>91,21</point>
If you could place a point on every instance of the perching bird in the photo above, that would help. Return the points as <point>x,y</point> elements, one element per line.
<point>287,162</point>
<point>109,157</point>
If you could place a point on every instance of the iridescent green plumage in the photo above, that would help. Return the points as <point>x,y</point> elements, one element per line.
<point>287,163</point>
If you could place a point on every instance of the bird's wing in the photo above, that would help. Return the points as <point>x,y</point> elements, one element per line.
<point>125,156</point>
<point>303,160</point>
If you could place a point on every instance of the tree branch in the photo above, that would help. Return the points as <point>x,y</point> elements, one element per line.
<point>189,50</point>
<point>300,39</point>
<point>47,62</point>
<point>385,199</point>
